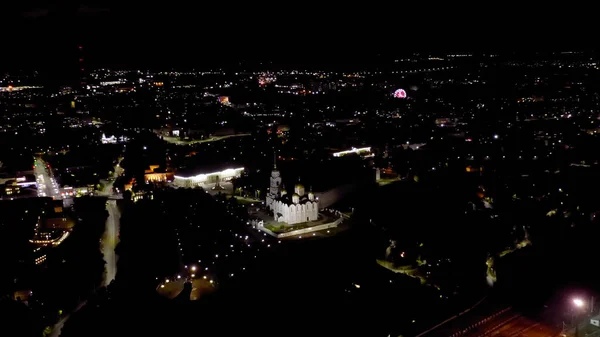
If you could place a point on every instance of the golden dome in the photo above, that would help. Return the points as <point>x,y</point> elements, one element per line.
<point>295,198</point>
<point>299,189</point>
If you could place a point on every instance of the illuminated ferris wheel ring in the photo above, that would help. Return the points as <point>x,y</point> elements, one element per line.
<point>400,93</point>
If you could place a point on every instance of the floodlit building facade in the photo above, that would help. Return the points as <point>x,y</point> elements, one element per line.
<point>291,209</point>
<point>192,180</point>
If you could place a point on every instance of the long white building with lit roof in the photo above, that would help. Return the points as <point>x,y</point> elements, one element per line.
<point>206,176</point>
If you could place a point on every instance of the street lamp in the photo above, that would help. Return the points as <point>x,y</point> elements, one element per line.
<point>579,304</point>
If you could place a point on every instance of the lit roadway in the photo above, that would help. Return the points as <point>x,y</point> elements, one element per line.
<point>504,323</point>
<point>111,233</point>
<point>109,242</point>
<point>175,140</point>
<point>108,184</point>
<point>56,330</point>
<point>47,187</point>
<point>46,184</point>
<point>515,326</point>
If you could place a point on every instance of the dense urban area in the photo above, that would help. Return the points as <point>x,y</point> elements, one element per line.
<point>433,194</point>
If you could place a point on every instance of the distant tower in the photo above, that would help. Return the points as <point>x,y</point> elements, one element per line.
<point>274,187</point>
<point>83,79</point>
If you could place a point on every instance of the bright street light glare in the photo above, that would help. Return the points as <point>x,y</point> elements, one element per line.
<point>578,302</point>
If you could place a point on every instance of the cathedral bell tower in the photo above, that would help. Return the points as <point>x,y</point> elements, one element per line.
<point>275,185</point>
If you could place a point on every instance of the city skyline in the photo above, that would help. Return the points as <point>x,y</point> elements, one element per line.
<point>220,169</point>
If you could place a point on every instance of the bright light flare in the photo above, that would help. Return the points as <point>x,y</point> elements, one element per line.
<point>578,302</point>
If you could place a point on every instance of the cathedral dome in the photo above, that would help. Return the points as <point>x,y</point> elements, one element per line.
<point>283,192</point>
<point>299,189</point>
<point>295,198</point>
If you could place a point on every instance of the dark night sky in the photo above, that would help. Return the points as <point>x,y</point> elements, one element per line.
<point>197,34</point>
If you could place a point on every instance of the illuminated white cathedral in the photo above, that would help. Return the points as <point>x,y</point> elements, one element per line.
<point>291,209</point>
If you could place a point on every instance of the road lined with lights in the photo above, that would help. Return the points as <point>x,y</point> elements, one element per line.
<point>45,182</point>
<point>507,324</point>
<point>514,327</point>
<point>503,323</point>
<point>109,183</point>
<point>57,329</point>
<point>111,233</point>
<point>110,240</point>
<point>174,140</point>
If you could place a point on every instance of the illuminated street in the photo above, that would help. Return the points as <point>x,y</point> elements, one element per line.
<point>504,323</point>
<point>108,184</point>
<point>516,326</point>
<point>57,329</point>
<point>175,140</point>
<point>46,184</point>
<point>110,240</point>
